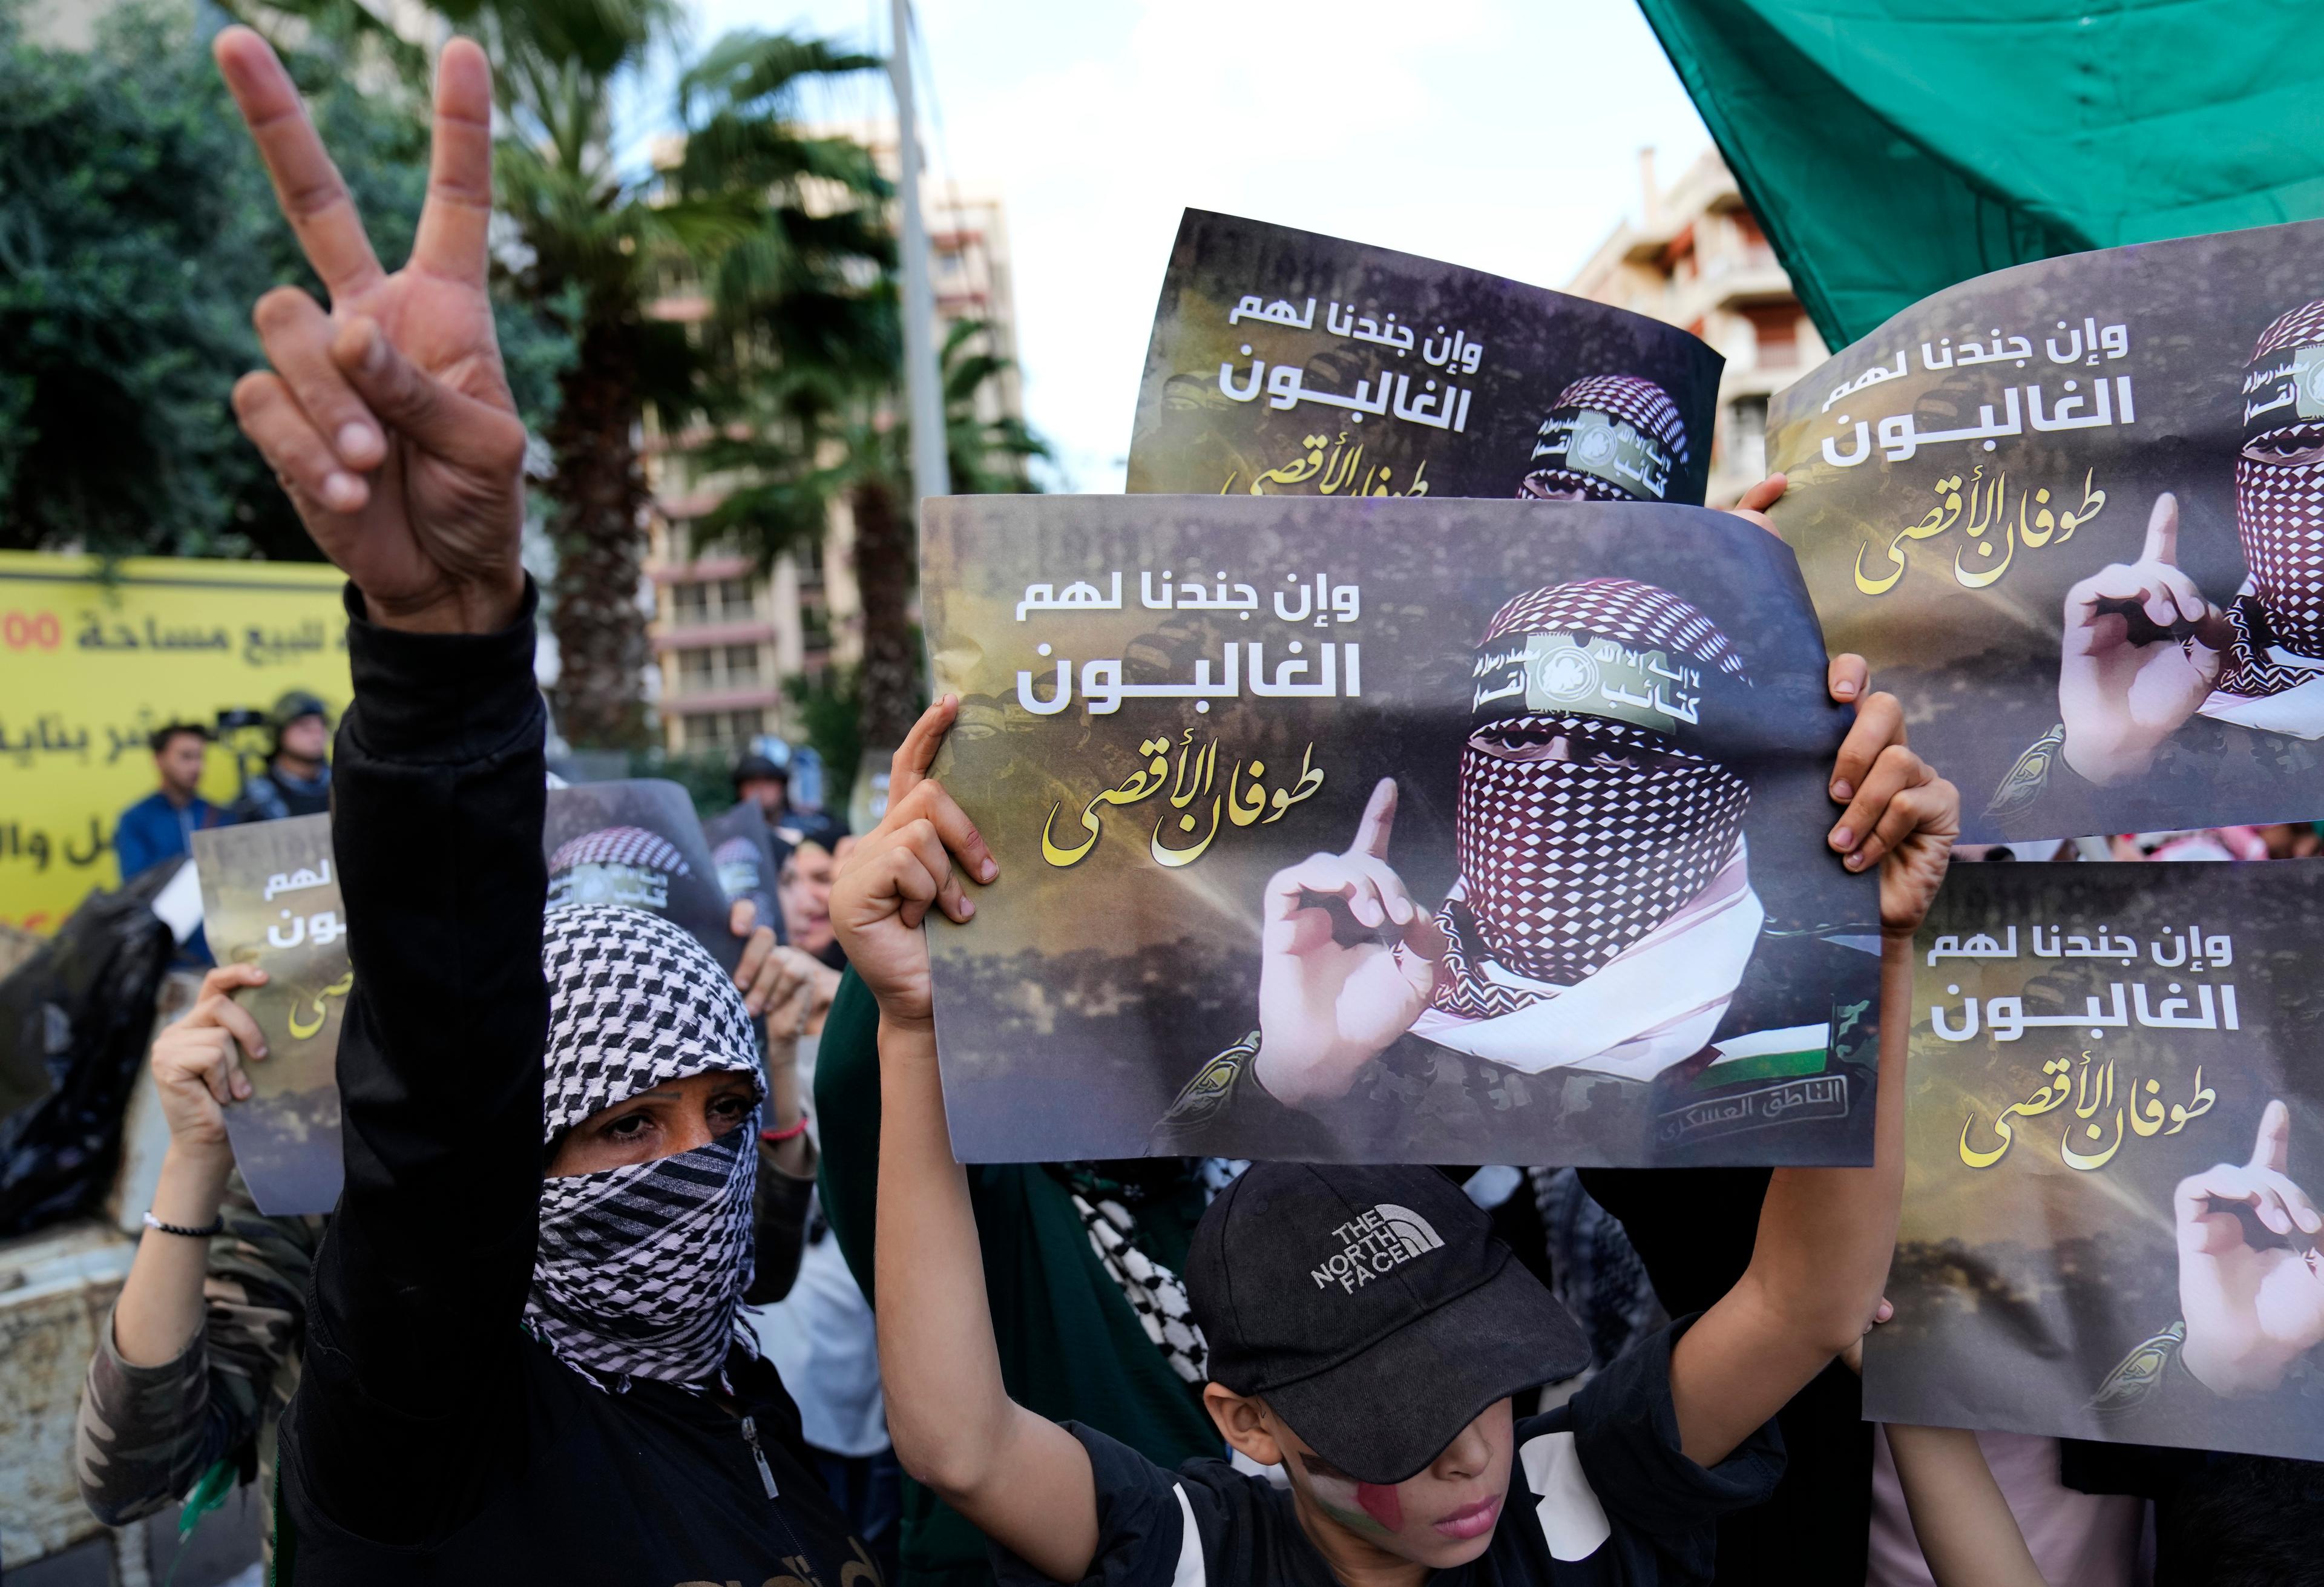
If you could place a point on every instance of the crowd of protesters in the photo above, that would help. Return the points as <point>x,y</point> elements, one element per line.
<point>607,1299</point>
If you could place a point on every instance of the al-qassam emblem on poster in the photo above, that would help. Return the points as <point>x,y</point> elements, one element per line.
<point>1391,830</point>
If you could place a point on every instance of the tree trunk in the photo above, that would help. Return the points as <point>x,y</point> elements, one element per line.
<point>597,527</point>
<point>888,695</point>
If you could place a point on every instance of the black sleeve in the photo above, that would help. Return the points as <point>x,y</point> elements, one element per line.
<point>780,1213</point>
<point>1141,1522</point>
<point>1626,1433</point>
<point>407,1402</point>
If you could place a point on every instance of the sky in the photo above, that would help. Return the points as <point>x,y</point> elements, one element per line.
<point>1501,134</point>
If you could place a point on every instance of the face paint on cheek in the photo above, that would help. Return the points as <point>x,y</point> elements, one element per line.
<point>1380,1502</point>
<point>1365,1508</point>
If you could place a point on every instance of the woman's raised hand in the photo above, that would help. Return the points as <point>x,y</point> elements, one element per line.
<point>388,418</point>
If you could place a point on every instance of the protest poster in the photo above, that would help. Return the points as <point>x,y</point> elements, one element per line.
<point>2109,1063</point>
<point>637,843</point>
<point>1286,362</point>
<point>97,656</point>
<point>2072,514</point>
<point>1607,737</point>
<point>270,898</point>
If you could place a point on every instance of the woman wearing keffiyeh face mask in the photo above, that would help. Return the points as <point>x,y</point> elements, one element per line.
<point>523,1359</point>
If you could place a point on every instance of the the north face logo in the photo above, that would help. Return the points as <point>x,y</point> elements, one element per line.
<point>1378,1241</point>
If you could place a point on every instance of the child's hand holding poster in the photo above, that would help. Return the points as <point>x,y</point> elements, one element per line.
<point>1287,364</point>
<point>2115,1161</point>
<point>2072,514</point>
<point>1439,831</point>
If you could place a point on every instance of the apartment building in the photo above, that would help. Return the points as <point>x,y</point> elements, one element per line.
<point>727,636</point>
<point>1696,257</point>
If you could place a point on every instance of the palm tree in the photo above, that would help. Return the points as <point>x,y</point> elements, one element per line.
<point>776,230</point>
<point>775,225</point>
<point>826,434</point>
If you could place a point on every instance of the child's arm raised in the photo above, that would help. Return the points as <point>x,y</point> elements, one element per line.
<point>1826,1234</point>
<point>1022,1479</point>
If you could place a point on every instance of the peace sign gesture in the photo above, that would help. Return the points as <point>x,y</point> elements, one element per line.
<point>2143,649</point>
<point>389,419</point>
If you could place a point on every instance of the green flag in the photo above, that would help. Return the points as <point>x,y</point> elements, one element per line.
<point>1892,147</point>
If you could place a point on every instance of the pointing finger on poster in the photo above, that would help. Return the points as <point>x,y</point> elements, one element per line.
<point>1379,820</point>
<point>2272,1147</point>
<point>2163,532</point>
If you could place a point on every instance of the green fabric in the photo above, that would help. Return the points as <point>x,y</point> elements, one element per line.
<point>1894,147</point>
<point>1071,1348</point>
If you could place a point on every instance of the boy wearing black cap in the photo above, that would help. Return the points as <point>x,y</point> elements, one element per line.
<point>1365,1331</point>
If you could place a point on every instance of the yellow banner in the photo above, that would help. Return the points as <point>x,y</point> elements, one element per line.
<point>90,666</point>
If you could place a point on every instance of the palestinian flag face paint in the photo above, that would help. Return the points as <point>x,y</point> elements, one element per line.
<point>1368,1510</point>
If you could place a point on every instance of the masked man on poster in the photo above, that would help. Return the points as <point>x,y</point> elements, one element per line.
<point>1603,915</point>
<point>2145,651</point>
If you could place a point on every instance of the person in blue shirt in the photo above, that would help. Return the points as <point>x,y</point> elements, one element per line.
<point>160,825</point>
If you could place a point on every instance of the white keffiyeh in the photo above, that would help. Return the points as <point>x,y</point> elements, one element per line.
<point>642,1269</point>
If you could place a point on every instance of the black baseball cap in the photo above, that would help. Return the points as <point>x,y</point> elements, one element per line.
<point>1372,1308</point>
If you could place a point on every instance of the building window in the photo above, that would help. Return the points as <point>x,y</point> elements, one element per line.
<point>1775,329</point>
<point>720,730</point>
<point>815,626</point>
<point>724,600</point>
<point>1747,436</point>
<point>717,667</point>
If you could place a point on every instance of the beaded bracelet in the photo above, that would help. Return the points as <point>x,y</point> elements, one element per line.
<point>216,1226</point>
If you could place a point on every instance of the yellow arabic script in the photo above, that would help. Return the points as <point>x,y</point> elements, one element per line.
<point>1987,504</point>
<point>301,1030</point>
<point>1240,800</point>
<point>1344,475</point>
<point>2093,1092</point>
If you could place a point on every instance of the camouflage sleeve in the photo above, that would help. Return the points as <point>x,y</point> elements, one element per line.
<point>145,1433</point>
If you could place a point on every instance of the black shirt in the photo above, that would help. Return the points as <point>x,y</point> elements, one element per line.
<point>1599,1495</point>
<point>430,1439</point>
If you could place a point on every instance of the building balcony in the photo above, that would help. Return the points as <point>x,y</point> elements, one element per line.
<point>707,570</point>
<point>749,631</point>
<point>727,698</point>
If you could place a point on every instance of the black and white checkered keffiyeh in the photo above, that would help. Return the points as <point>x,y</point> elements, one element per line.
<point>1564,863</point>
<point>642,1269</point>
<point>1623,399</point>
<point>619,845</point>
<point>2279,506</point>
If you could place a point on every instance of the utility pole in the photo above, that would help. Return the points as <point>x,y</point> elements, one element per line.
<point>931,474</point>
